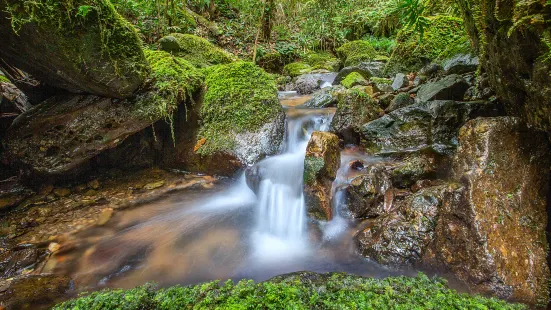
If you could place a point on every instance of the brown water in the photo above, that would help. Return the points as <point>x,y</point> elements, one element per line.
<point>204,234</point>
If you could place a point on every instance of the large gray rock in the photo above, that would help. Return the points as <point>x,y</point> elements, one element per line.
<point>461,64</point>
<point>400,81</point>
<point>452,87</point>
<point>308,83</point>
<point>432,124</point>
<point>324,98</point>
<point>99,53</point>
<point>366,69</point>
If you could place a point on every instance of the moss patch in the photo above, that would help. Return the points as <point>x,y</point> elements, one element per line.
<point>444,38</point>
<point>297,68</point>
<point>322,60</point>
<point>377,80</point>
<point>297,291</point>
<point>352,53</point>
<point>353,79</point>
<point>198,51</point>
<point>240,97</point>
<point>174,80</point>
<point>4,79</point>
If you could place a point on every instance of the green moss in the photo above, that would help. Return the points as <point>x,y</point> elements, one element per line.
<point>445,37</point>
<point>4,79</point>
<point>312,167</point>
<point>353,79</point>
<point>198,51</point>
<point>77,26</point>
<point>240,97</point>
<point>377,80</point>
<point>297,68</point>
<point>354,52</point>
<point>174,80</point>
<point>322,60</point>
<point>298,291</point>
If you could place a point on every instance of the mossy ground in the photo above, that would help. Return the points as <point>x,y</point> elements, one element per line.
<point>355,52</point>
<point>174,80</point>
<point>299,291</point>
<point>198,51</point>
<point>239,97</point>
<point>444,38</point>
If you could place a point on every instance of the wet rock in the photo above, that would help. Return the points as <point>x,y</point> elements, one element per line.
<point>461,64</point>
<point>494,238</point>
<point>452,87</point>
<point>253,176</point>
<point>12,194</point>
<point>79,54</point>
<point>58,137</point>
<point>431,70</point>
<point>401,100</point>
<point>11,95</point>
<point>401,236</point>
<point>366,69</point>
<point>13,263</point>
<point>385,88</point>
<point>353,109</point>
<point>385,100</point>
<point>365,195</point>
<point>324,98</point>
<point>320,169</point>
<point>308,83</point>
<point>21,292</point>
<point>400,81</point>
<point>433,124</point>
<point>423,165</point>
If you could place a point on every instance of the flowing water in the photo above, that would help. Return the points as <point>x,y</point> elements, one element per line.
<point>226,232</point>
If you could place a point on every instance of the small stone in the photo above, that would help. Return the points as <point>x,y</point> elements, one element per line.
<point>104,217</point>
<point>54,247</point>
<point>94,184</point>
<point>154,185</point>
<point>90,193</point>
<point>62,192</point>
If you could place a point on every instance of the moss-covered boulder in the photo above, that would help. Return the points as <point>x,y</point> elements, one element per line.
<point>59,137</point>
<point>498,230</point>
<point>354,108</point>
<point>237,121</point>
<point>322,61</point>
<point>297,68</point>
<point>198,51</point>
<point>82,46</point>
<point>355,52</point>
<point>445,37</point>
<point>354,79</point>
<point>513,39</point>
<point>323,157</point>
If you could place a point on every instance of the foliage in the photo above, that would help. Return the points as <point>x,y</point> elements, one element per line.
<point>298,291</point>
<point>383,46</point>
<point>412,13</point>
<point>240,97</point>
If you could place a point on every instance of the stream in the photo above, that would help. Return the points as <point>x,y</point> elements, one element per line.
<point>227,231</point>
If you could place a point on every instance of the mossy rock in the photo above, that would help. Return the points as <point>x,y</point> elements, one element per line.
<point>240,98</point>
<point>198,51</point>
<point>445,37</point>
<point>354,79</point>
<point>174,80</point>
<point>80,46</point>
<point>272,62</point>
<point>297,68</point>
<point>356,52</point>
<point>322,60</point>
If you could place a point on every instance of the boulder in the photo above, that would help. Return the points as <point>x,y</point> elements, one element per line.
<point>366,69</point>
<point>433,124</point>
<point>365,195</point>
<point>354,79</point>
<point>308,83</point>
<point>325,98</point>
<point>355,52</point>
<point>461,64</point>
<point>353,109</point>
<point>494,238</point>
<point>401,100</point>
<point>96,52</point>
<point>198,51</point>
<point>297,68</point>
<point>400,81</point>
<point>452,87</point>
<point>236,122</point>
<point>400,236</point>
<point>320,170</point>
<point>57,138</point>
<point>29,291</point>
